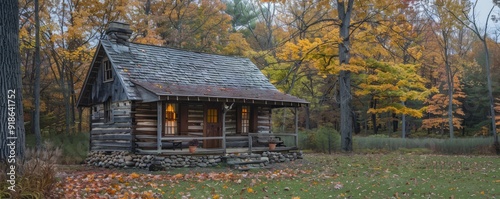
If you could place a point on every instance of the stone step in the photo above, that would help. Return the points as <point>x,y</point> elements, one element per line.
<point>246,162</point>
<point>241,156</point>
<point>248,168</point>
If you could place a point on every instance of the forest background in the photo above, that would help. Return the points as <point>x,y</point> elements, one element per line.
<point>418,67</point>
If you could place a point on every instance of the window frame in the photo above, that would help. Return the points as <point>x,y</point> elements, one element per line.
<point>244,121</point>
<point>171,126</point>
<point>107,71</point>
<point>108,112</point>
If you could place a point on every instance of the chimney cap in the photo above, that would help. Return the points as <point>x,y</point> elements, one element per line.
<point>121,27</point>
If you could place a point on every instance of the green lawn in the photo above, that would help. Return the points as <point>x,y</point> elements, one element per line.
<point>317,176</point>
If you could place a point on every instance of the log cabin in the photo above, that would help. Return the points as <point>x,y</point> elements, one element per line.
<point>150,99</point>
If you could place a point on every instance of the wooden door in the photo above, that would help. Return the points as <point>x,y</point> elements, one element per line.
<point>212,126</point>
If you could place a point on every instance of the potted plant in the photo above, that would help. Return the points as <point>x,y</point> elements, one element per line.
<point>193,144</point>
<point>272,144</point>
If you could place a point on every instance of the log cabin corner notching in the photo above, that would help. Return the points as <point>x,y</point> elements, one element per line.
<point>149,99</point>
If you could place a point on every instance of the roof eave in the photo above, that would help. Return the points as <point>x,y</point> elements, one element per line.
<point>79,101</point>
<point>228,99</point>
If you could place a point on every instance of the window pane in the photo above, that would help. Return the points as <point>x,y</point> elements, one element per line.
<point>107,111</point>
<point>212,115</point>
<point>108,72</point>
<point>245,119</point>
<point>171,119</point>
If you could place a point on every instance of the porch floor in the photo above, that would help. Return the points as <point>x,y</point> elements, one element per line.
<point>205,151</point>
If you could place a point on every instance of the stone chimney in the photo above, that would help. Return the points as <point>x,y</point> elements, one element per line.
<point>119,32</point>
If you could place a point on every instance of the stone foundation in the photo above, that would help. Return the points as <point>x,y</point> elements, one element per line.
<point>126,160</point>
<point>122,159</point>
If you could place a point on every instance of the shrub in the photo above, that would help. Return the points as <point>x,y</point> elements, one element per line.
<point>35,177</point>
<point>320,139</point>
<point>74,147</point>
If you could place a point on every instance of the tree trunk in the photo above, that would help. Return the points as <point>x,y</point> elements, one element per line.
<point>403,124</point>
<point>373,105</point>
<point>490,91</point>
<point>355,122</point>
<point>11,120</point>
<point>66,97</point>
<point>395,122</point>
<point>449,77</point>
<point>307,116</point>
<point>345,75</point>
<point>36,92</point>
<point>72,98</point>
<point>345,111</point>
<point>80,114</point>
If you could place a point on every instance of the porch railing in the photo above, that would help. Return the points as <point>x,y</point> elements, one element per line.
<point>289,139</point>
<point>267,136</point>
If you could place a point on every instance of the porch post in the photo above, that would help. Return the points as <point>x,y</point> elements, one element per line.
<point>91,112</point>
<point>296,127</point>
<point>224,111</point>
<point>159,125</point>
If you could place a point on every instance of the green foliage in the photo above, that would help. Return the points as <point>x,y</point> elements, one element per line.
<point>36,174</point>
<point>243,14</point>
<point>438,146</point>
<point>320,139</point>
<point>74,146</point>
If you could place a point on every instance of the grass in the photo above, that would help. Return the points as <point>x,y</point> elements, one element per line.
<point>365,176</point>
<point>319,176</point>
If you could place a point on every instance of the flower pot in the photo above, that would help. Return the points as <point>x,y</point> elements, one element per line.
<point>192,149</point>
<point>272,146</point>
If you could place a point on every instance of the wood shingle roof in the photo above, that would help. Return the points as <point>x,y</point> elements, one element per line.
<point>173,72</point>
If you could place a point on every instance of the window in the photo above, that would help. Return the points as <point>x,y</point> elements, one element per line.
<point>245,119</point>
<point>108,114</point>
<point>108,72</point>
<point>212,116</point>
<point>171,119</point>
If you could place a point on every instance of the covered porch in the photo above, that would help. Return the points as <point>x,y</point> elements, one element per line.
<point>219,127</point>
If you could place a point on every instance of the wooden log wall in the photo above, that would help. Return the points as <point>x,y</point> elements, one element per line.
<point>264,119</point>
<point>195,118</point>
<point>114,135</point>
<point>145,121</point>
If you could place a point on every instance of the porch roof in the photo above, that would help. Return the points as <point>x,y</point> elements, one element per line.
<point>171,91</point>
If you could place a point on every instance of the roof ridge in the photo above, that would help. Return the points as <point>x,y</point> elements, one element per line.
<point>189,50</point>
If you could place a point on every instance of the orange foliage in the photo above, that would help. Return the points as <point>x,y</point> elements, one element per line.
<point>437,109</point>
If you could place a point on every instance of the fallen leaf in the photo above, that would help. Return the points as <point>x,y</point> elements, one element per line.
<point>250,190</point>
<point>134,175</point>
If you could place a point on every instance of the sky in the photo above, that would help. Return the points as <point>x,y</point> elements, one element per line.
<point>483,7</point>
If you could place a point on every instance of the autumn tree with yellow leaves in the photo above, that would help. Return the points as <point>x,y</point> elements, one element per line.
<point>393,85</point>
